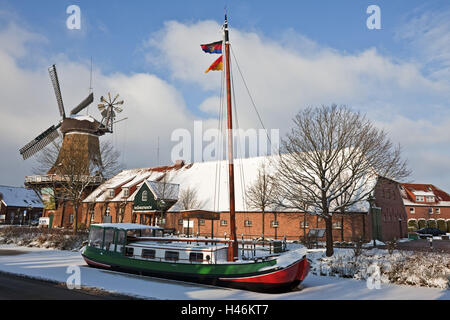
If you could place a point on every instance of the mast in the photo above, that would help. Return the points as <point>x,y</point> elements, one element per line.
<point>232,254</point>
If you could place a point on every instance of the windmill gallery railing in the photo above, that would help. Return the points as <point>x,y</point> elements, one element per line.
<point>56,178</point>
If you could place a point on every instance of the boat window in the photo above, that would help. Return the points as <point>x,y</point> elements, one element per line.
<point>129,252</point>
<point>96,237</point>
<point>158,233</point>
<point>172,255</point>
<point>109,238</point>
<point>147,232</point>
<point>148,253</point>
<point>120,237</point>
<point>133,233</point>
<point>196,256</point>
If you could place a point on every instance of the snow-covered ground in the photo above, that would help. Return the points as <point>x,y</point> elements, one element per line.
<point>53,265</point>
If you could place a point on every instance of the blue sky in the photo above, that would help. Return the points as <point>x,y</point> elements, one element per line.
<point>294,54</point>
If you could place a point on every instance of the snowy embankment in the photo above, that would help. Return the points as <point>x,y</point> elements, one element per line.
<point>425,269</point>
<point>53,265</point>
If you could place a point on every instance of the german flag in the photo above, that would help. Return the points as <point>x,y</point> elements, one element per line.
<point>216,66</point>
<point>215,47</point>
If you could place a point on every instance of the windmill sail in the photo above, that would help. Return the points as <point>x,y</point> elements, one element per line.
<point>83,104</point>
<point>55,82</point>
<point>40,142</point>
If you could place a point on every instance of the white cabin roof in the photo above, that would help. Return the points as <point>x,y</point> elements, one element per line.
<point>126,226</point>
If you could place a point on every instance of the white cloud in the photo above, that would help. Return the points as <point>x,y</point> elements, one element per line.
<point>283,76</point>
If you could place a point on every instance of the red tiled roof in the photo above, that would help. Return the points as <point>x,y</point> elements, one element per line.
<point>440,194</point>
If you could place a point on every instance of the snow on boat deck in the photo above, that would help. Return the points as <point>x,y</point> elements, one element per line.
<point>52,265</point>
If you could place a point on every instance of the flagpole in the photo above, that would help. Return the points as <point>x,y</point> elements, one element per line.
<point>233,252</point>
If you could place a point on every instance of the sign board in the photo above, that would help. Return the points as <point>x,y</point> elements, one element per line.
<point>2,217</point>
<point>44,221</point>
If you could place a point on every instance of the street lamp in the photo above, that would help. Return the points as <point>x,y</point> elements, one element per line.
<point>371,200</point>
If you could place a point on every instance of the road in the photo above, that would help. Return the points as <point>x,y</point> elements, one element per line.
<point>14,287</point>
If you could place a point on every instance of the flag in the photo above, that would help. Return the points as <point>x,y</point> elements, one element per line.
<point>215,47</point>
<point>217,65</point>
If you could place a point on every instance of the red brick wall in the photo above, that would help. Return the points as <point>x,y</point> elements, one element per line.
<point>421,212</point>
<point>393,215</point>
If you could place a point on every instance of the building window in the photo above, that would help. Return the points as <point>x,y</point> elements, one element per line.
<point>111,193</point>
<point>438,210</point>
<point>148,254</point>
<point>92,213</point>
<point>172,255</point>
<point>201,222</point>
<point>304,225</point>
<point>145,196</point>
<point>430,199</point>
<point>180,221</point>
<point>420,199</point>
<point>430,210</point>
<point>107,213</point>
<point>337,225</point>
<point>248,223</point>
<point>196,256</point>
<point>223,222</point>
<point>126,192</point>
<point>274,224</point>
<point>71,218</point>
<point>412,210</point>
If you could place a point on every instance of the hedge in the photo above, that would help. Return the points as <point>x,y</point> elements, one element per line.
<point>431,223</point>
<point>412,223</point>
<point>422,223</point>
<point>442,225</point>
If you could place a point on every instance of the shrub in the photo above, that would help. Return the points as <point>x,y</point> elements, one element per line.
<point>431,223</point>
<point>422,223</point>
<point>412,223</point>
<point>442,225</point>
<point>448,225</point>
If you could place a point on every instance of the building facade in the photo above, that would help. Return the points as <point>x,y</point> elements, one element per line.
<point>120,199</point>
<point>19,206</point>
<point>426,206</point>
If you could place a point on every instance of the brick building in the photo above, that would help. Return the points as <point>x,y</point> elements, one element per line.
<point>425,205</point>
<point>19,205</point>
<point>115,201</point>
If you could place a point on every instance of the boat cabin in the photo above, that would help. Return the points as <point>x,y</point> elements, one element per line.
<point>148,243</point>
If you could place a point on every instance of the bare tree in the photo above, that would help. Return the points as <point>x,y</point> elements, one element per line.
<point>46,159</point>
<point>188,200</point>
<point>73,175</point>
<point>330,161</point>
<point>261,194</point>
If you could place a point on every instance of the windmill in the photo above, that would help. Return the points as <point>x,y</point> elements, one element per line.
<point>80,131</point>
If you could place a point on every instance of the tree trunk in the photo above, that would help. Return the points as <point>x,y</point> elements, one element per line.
<point>263,213</point>
<point>329,236</point>
<point>62,214</point>
<point>75,221</point>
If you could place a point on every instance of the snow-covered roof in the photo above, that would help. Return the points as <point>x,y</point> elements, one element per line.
<point>208,179</point>
<point>423,193</point>
<point>20,197</point>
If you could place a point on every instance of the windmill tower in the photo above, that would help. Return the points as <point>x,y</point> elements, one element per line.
<point>80,132</point>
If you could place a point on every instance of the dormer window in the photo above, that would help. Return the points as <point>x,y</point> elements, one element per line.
<point>420,199</point>
<point>430,199</point>
<point>126,192</point>
<point>111,193</point>
<point>145,195</point>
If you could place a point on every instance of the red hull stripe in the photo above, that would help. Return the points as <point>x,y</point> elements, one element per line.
<point>90,262</point>
<point>296,271</point>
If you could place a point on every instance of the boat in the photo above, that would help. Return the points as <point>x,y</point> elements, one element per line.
<point>146,250</point>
